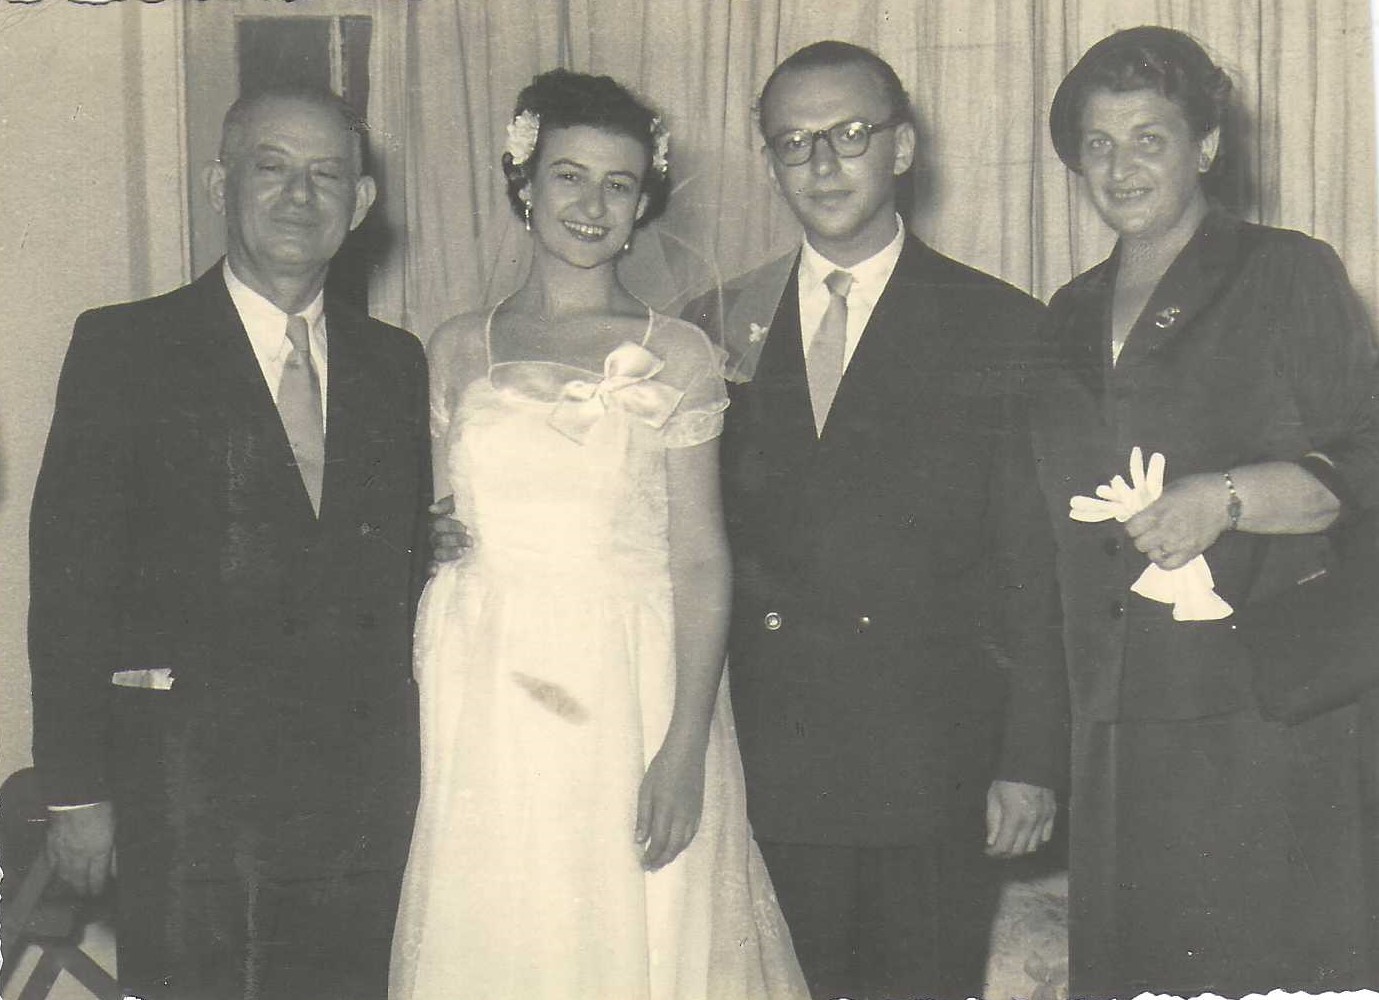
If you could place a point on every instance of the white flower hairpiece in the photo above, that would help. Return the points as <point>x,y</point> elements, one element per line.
<point>524,129</point>
<point>660,154</point>
<point>522,133</point>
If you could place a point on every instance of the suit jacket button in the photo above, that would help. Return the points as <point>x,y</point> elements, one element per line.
<point>1112,546</point>
<point>1117,609</point>
<point>772,621</point>
<point>863,622</point>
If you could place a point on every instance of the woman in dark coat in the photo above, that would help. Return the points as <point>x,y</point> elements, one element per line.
<point>1211,847</point>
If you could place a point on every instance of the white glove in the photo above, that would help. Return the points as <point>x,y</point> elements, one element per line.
<point>1191,588</point>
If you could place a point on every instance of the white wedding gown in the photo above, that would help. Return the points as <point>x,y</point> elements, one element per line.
<point>546,668</point>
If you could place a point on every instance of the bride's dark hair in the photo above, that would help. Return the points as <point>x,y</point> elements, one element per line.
<point>562,99</point>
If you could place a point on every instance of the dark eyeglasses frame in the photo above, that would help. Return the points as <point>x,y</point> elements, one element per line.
<point>827,135</point>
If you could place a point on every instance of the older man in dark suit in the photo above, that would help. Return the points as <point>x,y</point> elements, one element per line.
<point>894,656</point>
<point>226,550</point>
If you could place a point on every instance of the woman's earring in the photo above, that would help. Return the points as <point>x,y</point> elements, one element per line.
<point>526,214</point>
<point>628,245</point>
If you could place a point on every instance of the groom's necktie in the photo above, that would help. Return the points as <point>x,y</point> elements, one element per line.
<point>299,404</point>
<point>824,362</point>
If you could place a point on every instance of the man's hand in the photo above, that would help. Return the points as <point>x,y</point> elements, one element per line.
<point>1019,818</point>
<point>81,845</point>
<point>449,538</point>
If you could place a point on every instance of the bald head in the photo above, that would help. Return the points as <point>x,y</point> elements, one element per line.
<point>245,110</point>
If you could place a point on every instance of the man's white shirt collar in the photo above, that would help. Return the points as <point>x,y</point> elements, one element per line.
<point>266,326</point>
<point>869,280</point>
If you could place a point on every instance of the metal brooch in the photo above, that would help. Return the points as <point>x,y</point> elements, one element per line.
<point>1165,318</point>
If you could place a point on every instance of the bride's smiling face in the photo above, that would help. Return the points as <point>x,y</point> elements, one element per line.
<point>586,193</point>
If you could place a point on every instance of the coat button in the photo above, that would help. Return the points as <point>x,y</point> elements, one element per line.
<point>863,622</point>
<point>1112,546</point>
<point>1117,609</point>
<point>772,621</point>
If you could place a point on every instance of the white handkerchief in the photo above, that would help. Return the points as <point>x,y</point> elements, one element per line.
<point>153,679</point>
<point>1190,588</point>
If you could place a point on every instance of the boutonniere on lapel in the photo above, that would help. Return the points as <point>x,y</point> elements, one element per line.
<point>743,344</point>
<point>1165,318</point>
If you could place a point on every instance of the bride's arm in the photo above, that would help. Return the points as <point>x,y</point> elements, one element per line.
<point>672,793</point>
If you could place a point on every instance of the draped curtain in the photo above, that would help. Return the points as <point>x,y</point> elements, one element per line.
<point>981,74</point>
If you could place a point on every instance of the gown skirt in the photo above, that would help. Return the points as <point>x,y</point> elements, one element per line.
<point>545,662</point>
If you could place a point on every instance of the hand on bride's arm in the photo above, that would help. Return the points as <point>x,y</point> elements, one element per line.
<point>449,537</point>
<point>670,803</point>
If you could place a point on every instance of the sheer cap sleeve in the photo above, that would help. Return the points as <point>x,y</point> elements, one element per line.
<point>695,366</point>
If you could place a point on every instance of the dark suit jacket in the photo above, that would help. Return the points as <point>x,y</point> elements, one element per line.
<point>171,529</point>
<point>894,641</point>
<point>1252,348</point>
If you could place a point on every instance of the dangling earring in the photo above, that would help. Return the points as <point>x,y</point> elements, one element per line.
<point>627,246</point>
<point>526,214</point>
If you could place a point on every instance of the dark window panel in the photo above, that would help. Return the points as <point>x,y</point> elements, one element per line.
<point>283,52</point>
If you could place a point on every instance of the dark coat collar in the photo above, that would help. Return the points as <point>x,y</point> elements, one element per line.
<point>898,312</point>
<point>780,382</point>
<point>1192,282</point>
<point>898,326</point>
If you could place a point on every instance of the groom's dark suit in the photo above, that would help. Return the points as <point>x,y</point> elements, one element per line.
<point>894,644</point>
<point>171,530</point>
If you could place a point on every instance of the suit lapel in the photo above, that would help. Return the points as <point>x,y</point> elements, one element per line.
<point>780,384</point>
<point>898,341</point>
<point>259,443</point>
<point>1082,347</point>
<point>237,367</point>
<point>347,405</point>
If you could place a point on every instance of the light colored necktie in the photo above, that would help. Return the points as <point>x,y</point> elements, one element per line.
<point>299,404</point>
<point>824,362</point>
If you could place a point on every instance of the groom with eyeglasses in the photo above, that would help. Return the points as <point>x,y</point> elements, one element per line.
<point>894,658</point>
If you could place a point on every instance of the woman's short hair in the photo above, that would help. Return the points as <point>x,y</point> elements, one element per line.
<point>562,98</point>
<point>1144,58</point>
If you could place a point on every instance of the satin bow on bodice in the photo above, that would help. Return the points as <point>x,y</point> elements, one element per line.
<point>629,384</point>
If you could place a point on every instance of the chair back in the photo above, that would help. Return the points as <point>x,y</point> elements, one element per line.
<point>23,822</point>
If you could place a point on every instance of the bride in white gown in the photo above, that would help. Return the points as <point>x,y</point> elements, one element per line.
<point>582,830</point>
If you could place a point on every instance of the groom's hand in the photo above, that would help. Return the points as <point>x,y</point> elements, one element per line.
<point>1019,818</point>
<point>449,538</point>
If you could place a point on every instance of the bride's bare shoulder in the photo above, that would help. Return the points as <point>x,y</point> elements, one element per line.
<point>459,346</point>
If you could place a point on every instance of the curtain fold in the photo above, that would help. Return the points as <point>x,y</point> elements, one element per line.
<point>990,190</point>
